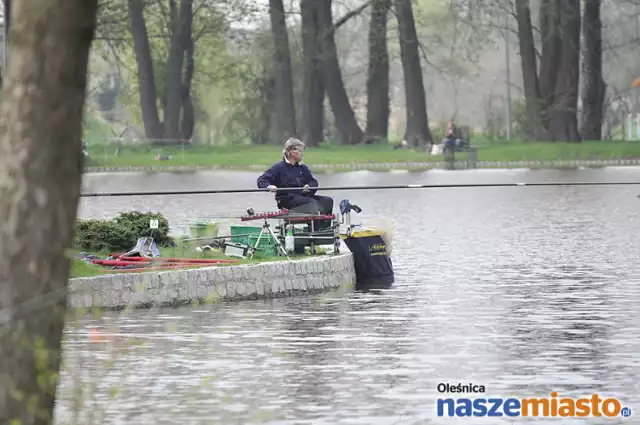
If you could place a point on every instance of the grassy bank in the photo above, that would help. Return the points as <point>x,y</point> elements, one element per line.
<point>80,268</point>
<point>552,151</point>
<point>117,235</point>
<point>263,156</point>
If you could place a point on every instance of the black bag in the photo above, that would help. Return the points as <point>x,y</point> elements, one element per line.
<point>374,269</point>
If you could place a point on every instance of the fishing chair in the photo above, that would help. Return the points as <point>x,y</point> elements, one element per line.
<point>321,232</point>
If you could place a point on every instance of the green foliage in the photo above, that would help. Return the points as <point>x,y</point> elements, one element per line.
<point>521,126</point>
<point>96,129</point>
<point>121,233</point>
<point>231,66</point>
<point>217,91</point>
<point>452,37</point>
<point>236,106</point>
<point>496,123</point>
<point>80,268</point>
<point>138,223</point>
<point>103,235</point>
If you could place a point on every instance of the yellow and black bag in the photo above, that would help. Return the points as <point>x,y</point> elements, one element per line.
<point>374,269</point>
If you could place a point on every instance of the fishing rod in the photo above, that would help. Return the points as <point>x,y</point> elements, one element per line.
<point>328,188</point>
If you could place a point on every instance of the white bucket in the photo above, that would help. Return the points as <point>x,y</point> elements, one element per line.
<point>386,227</point>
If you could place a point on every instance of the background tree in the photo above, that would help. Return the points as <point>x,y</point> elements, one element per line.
<point>417,131</point>
<point>285,112</point>
<point>593,95</point>
<point>377,126</point>
<point>177,76</point>
<point>348,128</point>
<point>314,84</point>
<point>552,95</point>
<point>237,85</point>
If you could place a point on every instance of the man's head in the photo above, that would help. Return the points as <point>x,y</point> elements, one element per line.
<point>293,150</point>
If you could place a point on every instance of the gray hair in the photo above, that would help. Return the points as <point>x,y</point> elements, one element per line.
<point>292,144</point>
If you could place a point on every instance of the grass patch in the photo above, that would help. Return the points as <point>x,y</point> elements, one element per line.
<point>80,268</point>
<point>96,128</point>
<point>238,156</point>
<point>248,155</point>
<point>552,151</point>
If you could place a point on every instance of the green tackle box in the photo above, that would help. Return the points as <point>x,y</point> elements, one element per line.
<point>267,245</point>
<point>238,231</point>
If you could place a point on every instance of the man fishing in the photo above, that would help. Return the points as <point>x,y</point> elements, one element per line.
<point>292,172</point>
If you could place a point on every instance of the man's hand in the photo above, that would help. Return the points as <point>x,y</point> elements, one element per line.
<point>272,188</point>
<point>305,188</point>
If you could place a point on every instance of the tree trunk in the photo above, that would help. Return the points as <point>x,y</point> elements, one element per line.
<point>188,119</point>
<point>7,17</point>
<point>180,37</point>
<point>7,25</point>
<point>417,132</point>
<point>533,98</point>
<point>153,128</point>
<point>7,20</point>
<point>378,73</point>
<point>261,120</point>
<point>563,118</point>
<point>313,91</point>
<point>263,128</point>
<point>594,85</point>
<point>40,170</point>
<point>285,112</point>
<point>550,21</point>
<point>346,123</point>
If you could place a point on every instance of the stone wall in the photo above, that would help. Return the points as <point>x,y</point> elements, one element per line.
<point>211,284</point>
<point>385,166</point>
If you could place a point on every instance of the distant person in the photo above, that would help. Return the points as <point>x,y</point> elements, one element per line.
<point>451,129</point>
<point>292,172</point>
<point>450,137</point>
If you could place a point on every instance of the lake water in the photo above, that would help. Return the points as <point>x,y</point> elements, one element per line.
<point>524,290</point>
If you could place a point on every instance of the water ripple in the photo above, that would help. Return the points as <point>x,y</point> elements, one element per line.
<point>525,291</point>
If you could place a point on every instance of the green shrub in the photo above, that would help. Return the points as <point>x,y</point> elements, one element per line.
<point>138,223</point>
<point>103,235</point>
<point>121,233</point>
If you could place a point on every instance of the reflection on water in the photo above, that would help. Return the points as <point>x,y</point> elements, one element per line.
<point>523,290</point>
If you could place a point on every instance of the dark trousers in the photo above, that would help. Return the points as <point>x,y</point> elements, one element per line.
<point>310,205</point>
<point>324,204</point>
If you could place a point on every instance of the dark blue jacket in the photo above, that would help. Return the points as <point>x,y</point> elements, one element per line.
<point>284,174</point>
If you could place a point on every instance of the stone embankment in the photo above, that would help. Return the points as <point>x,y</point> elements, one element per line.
<point>383,166</point>
<point>213,284</point>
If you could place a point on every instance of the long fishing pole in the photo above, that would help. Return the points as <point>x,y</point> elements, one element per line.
<point>328,188</point>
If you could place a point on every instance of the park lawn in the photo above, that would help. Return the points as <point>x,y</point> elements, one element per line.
<point>243,155</point>
<point>550,151</point>
<point>238,156</point>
